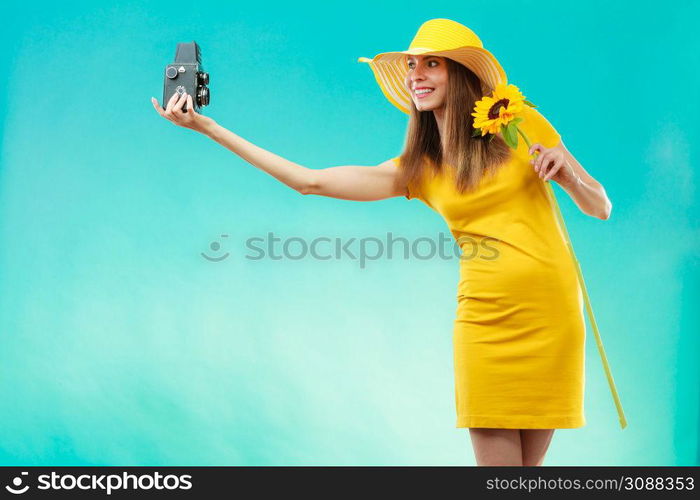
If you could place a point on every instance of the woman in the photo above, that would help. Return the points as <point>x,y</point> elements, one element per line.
<point>519,331</point>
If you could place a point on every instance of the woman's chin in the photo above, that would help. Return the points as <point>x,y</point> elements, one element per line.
<point>426,107</point>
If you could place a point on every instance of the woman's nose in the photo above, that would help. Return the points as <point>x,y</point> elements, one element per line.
<point>417,76</point>
<point>418,73</point>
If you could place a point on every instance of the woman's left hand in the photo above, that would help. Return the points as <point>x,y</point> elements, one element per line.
<point>551,163</point>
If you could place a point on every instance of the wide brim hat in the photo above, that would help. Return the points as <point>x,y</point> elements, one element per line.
<point>439,37</point>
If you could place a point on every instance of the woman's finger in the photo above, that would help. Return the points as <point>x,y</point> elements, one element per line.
<point>539,161</point>
<point>535,163</point>
<point>548,167</point>
<point>154,101</point>
<point>169,107</point>
<point>178,105</point>
<point>552,171</point>
<point>545,164</point>
<point>173,99</point>
<point>536,147</point>
<point>554,167</point>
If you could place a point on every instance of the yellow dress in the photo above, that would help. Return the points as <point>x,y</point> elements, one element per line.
<point>519,332</point>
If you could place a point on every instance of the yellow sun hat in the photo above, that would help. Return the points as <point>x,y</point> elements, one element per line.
<point>440,37</point>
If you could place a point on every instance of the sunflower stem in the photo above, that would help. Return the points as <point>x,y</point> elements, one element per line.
<point>527,141</point>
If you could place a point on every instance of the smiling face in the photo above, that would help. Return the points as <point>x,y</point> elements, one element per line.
<point>425,73</point>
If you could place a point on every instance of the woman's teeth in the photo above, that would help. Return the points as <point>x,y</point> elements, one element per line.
<point>423,91</point>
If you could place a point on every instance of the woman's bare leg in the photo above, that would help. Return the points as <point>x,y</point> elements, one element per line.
<point>496,446</point>
<point>534,445</point>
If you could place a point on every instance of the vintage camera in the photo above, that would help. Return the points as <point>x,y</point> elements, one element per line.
<point>187,75</point>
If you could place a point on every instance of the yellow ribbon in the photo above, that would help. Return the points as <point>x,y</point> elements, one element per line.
<point>589,309</point>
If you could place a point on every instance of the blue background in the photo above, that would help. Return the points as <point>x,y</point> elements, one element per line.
<point>120,344</point>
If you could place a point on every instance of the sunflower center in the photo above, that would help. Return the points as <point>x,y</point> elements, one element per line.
<point>493,112</point>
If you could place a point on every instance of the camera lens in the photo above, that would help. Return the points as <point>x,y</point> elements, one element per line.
<point>203,96</point>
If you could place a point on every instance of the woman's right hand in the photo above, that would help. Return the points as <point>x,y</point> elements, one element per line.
<point>189,119</point>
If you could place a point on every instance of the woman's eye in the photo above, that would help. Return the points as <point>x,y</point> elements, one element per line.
<point>412,64</point>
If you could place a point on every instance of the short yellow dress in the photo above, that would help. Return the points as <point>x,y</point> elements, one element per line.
<point>519,332</point>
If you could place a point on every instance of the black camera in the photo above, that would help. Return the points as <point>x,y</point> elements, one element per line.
<point>187,75</point>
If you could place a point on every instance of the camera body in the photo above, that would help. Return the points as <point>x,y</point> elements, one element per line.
<point>186,74</point>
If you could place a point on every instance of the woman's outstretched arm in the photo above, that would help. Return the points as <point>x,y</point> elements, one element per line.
<point>349,182</point>
<point>292,174</point>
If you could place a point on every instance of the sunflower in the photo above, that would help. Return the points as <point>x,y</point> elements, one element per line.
<point>491,112</point>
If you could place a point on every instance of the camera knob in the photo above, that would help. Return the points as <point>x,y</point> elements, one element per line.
<point>171,72</point>
<point>204,78</point>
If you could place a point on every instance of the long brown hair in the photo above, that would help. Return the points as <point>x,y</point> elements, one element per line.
<point>471,157</point>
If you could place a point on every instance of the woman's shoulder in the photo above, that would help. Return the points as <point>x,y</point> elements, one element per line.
<point>419,180</point>
<point>538,128</point>
<point>426,165</point>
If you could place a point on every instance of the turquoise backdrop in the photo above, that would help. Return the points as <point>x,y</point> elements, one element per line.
<point>121,344</point>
